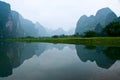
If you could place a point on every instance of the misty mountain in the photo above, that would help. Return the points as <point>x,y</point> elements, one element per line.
<point>102,18</point>
<point>60,31</point>
<point>18,31</point>
<point>12,24</point>
<point>41,30</point>
<point>71,31</point>
<point>28,27</point>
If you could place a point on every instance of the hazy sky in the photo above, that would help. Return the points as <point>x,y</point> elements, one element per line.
<point>60,13</point>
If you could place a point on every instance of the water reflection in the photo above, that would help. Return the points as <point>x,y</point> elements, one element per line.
<point>13,55</point>
<point>112,52</point>
<point>104,57</point>
<point>5,65</point>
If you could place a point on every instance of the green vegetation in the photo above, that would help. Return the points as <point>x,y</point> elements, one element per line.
<point>103,41</point>
<point>90,34</point>
<point>91,38</point>
<point>112,29</point>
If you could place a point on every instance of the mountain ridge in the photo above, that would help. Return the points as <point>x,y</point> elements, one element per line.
<point>103,17</point>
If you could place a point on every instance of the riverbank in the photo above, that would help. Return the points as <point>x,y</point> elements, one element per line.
<point>101,41</point>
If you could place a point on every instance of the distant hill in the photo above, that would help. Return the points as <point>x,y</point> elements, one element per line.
<point>41,30</point>
<point>71,31</point>
<point>61,31</point>
<point>58,31</point>
<point>100,20</point>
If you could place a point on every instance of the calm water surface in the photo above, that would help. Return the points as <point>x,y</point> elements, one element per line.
<point>43,61</point>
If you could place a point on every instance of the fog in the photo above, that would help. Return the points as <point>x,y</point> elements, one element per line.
<point>64,14</point>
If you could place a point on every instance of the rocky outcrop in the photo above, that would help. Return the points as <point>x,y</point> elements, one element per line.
<point>98,28</point>
<point>103,17</point>
<point>12,24</point>
<point>5,20</point>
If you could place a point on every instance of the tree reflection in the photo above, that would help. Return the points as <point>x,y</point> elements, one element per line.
<point>104,57</point>
<point>90,47</point>
<point>112,52</point>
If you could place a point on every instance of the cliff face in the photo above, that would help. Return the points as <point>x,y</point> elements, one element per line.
<point>4,13</point>
<point>28,27</point>
<point>12,24</point>
<point>5,20</point>
<point>17,30</point>
<point>9,22</point>
<point>103,17</point>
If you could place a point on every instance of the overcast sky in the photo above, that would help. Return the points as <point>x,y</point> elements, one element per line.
<point>60,13</point>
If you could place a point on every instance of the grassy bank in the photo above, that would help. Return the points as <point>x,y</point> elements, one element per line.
<point>103,41</point>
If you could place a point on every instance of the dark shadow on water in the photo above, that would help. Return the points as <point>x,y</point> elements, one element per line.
<point>5,66</point>
<point>112,52</point>
<point>12,55</point>
<point>104,57</point>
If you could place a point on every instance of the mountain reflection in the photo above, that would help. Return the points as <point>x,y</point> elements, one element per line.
<point>104,57</point>
<point>112,52</point>
<point>5,65</point>
<point>12,55</point>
